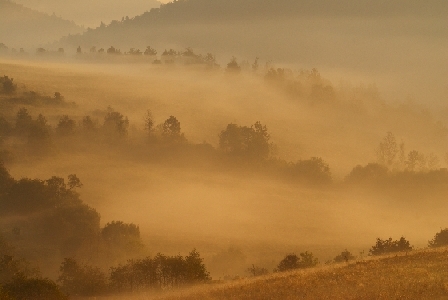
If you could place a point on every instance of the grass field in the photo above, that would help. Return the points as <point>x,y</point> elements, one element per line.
<point>422,274</point>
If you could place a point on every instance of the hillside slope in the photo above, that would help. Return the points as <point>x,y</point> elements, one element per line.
<point>91,13</point>
<point>23,27</point>
<point>418,275</point>
<point>399,45</point>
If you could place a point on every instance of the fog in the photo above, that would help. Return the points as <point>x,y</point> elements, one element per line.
<point>319,133</point>
<point>91,13</point>
<point>199,204</point>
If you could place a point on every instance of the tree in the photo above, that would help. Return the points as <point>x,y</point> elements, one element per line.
<point>115,125</point>
<point>81,280</point>
<point>415,160</point>
<point>195,268</point>
<point>371,172</point>
<point>122,238</point>
<point>387,150</point>
<point>344,256</point>
<point>389,246</point>
<point>66,126</point>
<point>440,239</point>
<point>233,66</point>
<point>22,288</point>
<point>8,86</point>
<point>248,142</point>
<point>150,51</point>
<point>73,181</point>
<point>314,170</point>
<point>149,122</point>
<point>292,261</point>
<point>171,130</point>
<point>23,121</point>
<point>257,271</point>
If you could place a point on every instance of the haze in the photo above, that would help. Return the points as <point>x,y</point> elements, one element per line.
<point>264,129</point>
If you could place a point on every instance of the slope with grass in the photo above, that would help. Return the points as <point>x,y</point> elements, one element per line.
<point>422,274</point>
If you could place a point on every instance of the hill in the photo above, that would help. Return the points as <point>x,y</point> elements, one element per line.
<point>420,275</point>
<point>91,13</point>
<point>383,42</point>
<point>23,27</point>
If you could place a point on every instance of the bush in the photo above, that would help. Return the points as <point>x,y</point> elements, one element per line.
<point>390,246</point>
<point>344,256</point>
<point>32,288</point>
<point>440,239</point>
<point>292,261</point>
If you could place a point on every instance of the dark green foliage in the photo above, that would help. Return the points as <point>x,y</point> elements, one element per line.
<point>345,256</point>
<point>81,280</point>
<point>440,239</point>
<point>245,142</point>
<point>32,288</point>
<point>390,246</point>
<point>160,272</point>
<point>292,261</point>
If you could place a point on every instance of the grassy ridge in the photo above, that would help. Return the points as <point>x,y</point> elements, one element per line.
<point>419,275</point>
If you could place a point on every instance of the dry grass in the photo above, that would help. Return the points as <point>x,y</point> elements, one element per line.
<point>420,275</point>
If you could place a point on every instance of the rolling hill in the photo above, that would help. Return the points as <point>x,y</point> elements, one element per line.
<point>420,275</point>
<point>23,27</point>
<point>91,13</point>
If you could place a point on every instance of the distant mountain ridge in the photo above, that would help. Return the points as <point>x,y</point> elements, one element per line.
<point>90,13</point>
<point>22,27</point>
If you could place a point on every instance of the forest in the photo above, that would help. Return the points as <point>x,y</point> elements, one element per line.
<point>47,230</point>
<point>209,149</point>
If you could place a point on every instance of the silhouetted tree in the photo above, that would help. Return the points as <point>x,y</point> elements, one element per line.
<point>149,122</point>
<point>233,65</point>
<point>171,130</point>
<point>292,261</point>
<point>415,160</point>
<point>115,124</point>
<point>387,150</point>
<point>390,246</point>
<point>257,271</point>
<point>81,280</point>
<point>66,126</point>
<point>242,141</point>
<point>23,121</point>
<point>344,256</point>
<point>150,51</point>
<point>440,239</point>
<point>22,288</point>
<point>371,172</point>
<point>8,86</point>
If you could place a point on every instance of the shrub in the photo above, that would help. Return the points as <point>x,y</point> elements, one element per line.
<point>292,261</point>
<point>440,239</point>
<point>390,246</point>
<point>32,288</point>
<point>344,256</point>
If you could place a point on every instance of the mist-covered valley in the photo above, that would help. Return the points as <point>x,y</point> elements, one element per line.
<point>244,149</point>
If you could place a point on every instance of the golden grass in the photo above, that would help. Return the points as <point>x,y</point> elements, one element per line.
<point>419,275</point>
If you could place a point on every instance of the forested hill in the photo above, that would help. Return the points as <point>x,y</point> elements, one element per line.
<point>91,13</point>
<point>23,27</point>
<point>249,22</point>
